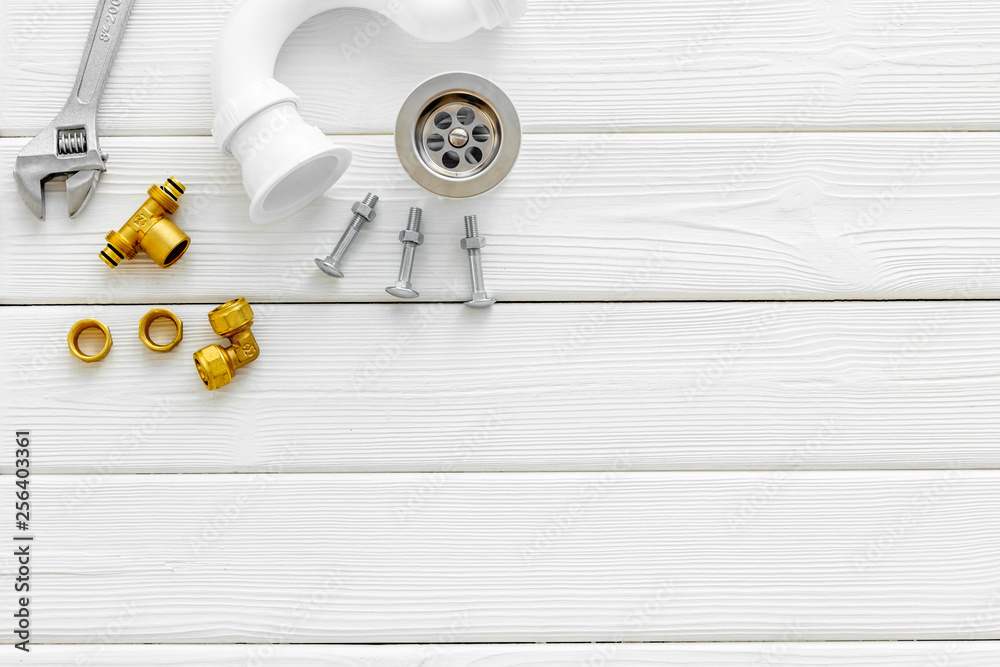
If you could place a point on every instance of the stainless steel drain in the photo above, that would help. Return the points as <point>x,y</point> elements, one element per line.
<point>458,135</point>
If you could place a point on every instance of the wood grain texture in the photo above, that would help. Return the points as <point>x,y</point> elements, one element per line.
<point>720,216</point>
<point>756,654</point>
<point>439,387</point>
<point>570,65</point>
<point>515,557</point>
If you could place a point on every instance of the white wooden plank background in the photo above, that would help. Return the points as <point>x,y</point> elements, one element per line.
<point>570,65</point>
<point>720,216</point>
<point>756,654</point>
<point>483,557</point>
<point>439,387</point>
<point>707,472</point>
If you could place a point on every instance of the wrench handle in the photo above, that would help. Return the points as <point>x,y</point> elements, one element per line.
<point>106,33</point>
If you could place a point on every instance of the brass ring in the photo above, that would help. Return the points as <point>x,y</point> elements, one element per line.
<point>149,318</point>
<point>73,338</point>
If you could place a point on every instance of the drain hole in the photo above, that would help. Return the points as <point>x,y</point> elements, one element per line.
<point>435,142</point>
<point>443,120</point>
<point>481,133</point>
<point>474,155</point>
<point>466,115</point>
<point>450,159</point>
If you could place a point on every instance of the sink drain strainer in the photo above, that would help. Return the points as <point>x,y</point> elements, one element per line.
<point>458,135</point>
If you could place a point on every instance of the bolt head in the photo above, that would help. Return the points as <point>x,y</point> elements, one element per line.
<point>364,210</point>
<point>402,290</point>
<point>480,300</point>
<point>473,242</point>
<point>329,268</point>
<point>458,137</point>
<point>409,236</point>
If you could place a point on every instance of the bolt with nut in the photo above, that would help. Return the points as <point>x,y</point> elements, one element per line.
<point>472,244</point>
<point>410,238</point>
<point>364,211</point>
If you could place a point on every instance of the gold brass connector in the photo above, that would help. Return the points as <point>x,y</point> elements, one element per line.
<point>147,321</point>
<point>73,338</point>
<point>150,230</point>
<point>216,364</point>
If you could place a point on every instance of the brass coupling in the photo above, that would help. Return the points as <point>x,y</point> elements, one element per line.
<point>147,322</point>
<point>73,338</point>
<point>217,364</point>
<point>150,230</point>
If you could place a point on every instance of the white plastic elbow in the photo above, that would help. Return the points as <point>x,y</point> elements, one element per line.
<point>286,162</point>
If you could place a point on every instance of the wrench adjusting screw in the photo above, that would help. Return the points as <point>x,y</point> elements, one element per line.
<point>364,211</point>
<point>472,244</point>
<point>410,238</point>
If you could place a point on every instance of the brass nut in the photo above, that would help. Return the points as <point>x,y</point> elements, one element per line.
<point>73,338</point>
<point>147,321</point>
<point>231,317</point>
<point>150,230</point>
<point>213,368</point>
<point>217,364</point>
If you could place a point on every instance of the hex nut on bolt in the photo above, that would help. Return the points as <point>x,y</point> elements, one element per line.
<point>364,211</point>
<point>473,244</point>
<point>410,238</point>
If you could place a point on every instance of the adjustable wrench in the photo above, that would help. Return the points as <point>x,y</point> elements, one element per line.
<point>69,145</point>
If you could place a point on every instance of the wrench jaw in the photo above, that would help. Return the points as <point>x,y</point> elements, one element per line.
<point>39,161</point>
<point>80,187</point>
<point>29,186</point>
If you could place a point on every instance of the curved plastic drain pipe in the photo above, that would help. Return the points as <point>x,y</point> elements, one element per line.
<point>286,162</point>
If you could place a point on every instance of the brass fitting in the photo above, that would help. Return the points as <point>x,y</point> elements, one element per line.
<point>73,338</point>
<point>147,321</point>
<point>150,230</point>
<point>217,364</point>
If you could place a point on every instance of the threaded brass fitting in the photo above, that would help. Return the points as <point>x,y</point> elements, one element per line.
<point>217,364</point>
<point>150,230</point>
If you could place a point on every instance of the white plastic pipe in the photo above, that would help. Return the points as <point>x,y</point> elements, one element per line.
<point>286,162</point>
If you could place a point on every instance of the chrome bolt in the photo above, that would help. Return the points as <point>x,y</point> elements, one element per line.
<point>364,211</point>
<point>458,137</point>
<point>410,238</point>
<point>472,244</point>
